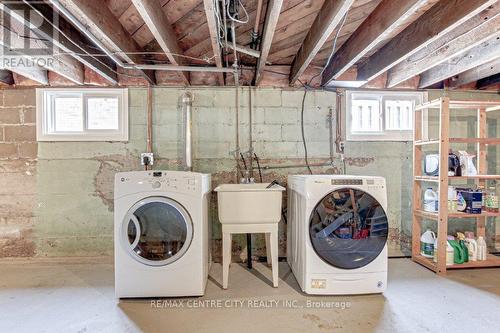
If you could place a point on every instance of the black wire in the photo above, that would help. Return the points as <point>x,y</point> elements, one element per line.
<point>302,130</point>
<point>258,165</point>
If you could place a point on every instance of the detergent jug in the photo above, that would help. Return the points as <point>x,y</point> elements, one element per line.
<point>449,253</point>
<point>427,244</point>
<point>472,247</point>
<point>430,200</point>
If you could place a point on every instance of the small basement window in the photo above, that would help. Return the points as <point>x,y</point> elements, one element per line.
<point>381,115</point>
<point>82,114</point>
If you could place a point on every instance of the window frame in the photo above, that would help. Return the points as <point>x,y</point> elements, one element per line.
<point>45,112</point>
<point>382,96</point>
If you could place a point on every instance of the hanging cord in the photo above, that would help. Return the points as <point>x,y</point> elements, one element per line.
<point>233,18</point>
<point>302,130</point>
<point>258,166</point>
<point>333,49</point>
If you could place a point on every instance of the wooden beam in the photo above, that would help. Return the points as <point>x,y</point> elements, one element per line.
<point>461,39</point>
<point>329,18</point>
<point>273,13</point>
<point>488,81</point>
<point>212,28</point>
<point>63,65</point>
<point>6,77</point>
<point>484,53</point>
<point>439,19</point>
<point>30,71</point>
<point>475,74</point>
<point>103,25</point>
<point>78,50</point>
<point>152,14</point>
<point>384,20</point>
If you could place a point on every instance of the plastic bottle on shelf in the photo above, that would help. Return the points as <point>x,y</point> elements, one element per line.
<point>430,200</point>
<point>427,241</point>
<point>452,199</point>
<point>492,201</point>
<point>472,247</point>
<point>449,253</point>
<point>481,248</point>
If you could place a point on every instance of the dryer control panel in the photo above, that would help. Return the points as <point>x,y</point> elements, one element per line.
<point>162,181</point>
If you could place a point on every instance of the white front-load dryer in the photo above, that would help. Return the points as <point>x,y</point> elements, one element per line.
<point>337,233</point>
<point>161,233</point>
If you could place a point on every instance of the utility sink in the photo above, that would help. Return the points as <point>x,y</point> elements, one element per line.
<point>249,203</point>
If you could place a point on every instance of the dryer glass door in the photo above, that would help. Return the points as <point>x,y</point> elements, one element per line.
<point>157,231</point>
<point>348,228</point>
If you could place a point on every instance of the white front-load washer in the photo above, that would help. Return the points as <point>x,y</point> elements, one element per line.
<point>337,233</point>
<point>161,233</point>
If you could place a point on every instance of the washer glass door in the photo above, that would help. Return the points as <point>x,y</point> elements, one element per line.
<point>157,231</point>
<point>348,228</point>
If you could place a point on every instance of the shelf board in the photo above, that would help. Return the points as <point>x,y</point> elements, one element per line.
<point>427,215</point>
<point>491,261</point>
<point>486,141</point>
<point>427,178</point>
<point>426,142</point>
<point>436,178</point>
<point>462,104</point>
<point>466,215</point>
<point>435,216</point>
<point>426,262</point>
<point>480,177</point>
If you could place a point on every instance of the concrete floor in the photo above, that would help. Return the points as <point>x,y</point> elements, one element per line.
<point>77,296</point>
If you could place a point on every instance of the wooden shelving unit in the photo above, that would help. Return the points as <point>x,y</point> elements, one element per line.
<point>444,105</point>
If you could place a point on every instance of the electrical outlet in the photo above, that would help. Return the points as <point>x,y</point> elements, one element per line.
<point>147,159</point>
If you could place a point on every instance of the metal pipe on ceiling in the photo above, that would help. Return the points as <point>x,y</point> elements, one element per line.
<point>176,68</point>
<point>255,32</point>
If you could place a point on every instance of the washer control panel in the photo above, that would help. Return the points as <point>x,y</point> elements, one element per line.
<point>347,181</point>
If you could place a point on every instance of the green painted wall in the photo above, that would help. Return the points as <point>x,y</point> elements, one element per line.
<point>72,211</point>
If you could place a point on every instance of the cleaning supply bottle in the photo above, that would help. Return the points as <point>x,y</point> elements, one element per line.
<point>492,201</point>
<point>458,256</point>
<point>449,253</point>
<point>427,244</point>
<point>481,248</point>
<point>461,243</point>
<point>472,248</point>
<point>430,201</point>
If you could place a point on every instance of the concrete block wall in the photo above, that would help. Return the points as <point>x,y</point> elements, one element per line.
<point>65,203</point>
<point>18,153</point>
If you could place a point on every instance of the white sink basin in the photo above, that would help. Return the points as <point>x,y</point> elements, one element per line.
<point>249,203</point>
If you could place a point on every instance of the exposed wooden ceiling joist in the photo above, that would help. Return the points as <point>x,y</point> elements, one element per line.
<point>102,24</point>
<point>488,81</point>
<point>6,77</point>
<point>476,74</point>
<point>32,72</point>
<point>64,65</point>
<point>212,28</point>
<point>329,18</point>
<point>461,39</point>
<point>76,49</point>
<point>273,13</point>
<point>385,19</point>
<point>480,55</point>
<point>439,19</point>
<point>152,14</point>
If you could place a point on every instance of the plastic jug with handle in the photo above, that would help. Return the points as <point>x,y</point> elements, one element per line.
<point>427,244</point>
